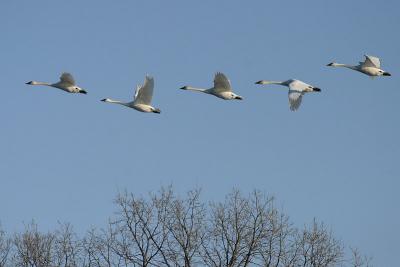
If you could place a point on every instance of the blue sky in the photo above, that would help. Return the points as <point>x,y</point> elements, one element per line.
<point>64,157</point>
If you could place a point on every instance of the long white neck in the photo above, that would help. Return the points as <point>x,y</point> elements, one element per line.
<point>38,83</point>
<point>271,82</point>
<point>190,88</point>
<point>115,102</point>
<point>343,66</point>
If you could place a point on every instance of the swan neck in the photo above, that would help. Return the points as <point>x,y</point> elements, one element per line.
<point>40,83</point>
<point>272,82</point>
<point>195,89</point>
<point>345,66</point>
<point>116,102</point>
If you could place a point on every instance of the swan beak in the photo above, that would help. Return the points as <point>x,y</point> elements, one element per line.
<point>29,82</point>
<point>157,111</point>
<point>183,88</point>
<point>104,100</point>
<point>82,92</point>
<point>330,64</point>
<point>259,82</point>
<point>386,74</point>
<point>238,97</point>
<point>316,89</point>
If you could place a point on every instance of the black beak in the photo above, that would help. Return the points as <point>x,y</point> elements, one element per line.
<point>29,82</point>
<point>316,89</point>
<point>82,92</point>
<point>386,74</point>
<point>259,82</point>
<point>330,64</point>
<point>157,111</point>
<point>183,88</point>
<point>104,100</point>
<point>239,98</point>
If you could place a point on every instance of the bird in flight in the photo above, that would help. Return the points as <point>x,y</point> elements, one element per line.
<point>222,88</point>
<point>66,83</point>
<point>142,98</point>
<point>296,91</point>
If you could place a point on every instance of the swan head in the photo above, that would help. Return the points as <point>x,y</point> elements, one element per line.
<point>32,83</point>
<point>156,110</point>
<point>184,87</point>
<point>81,91</point>
<point>332,64</point>
<point>261,82</point>
<point>384,73</point>
<point>105,100</point>
<point>236,97</point>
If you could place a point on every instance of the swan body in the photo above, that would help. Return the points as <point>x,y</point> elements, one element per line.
<point>222,88</point>
<point>296,91</point>
<point>66,83</point>
<point>371,67</point>
<point>142,98</point>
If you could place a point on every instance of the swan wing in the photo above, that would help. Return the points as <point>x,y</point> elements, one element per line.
<point>67,78</point>
<point>144,93</point>
<point>221,83</point>
<point>295,98</point>
<point>371,61</point>
<point>296,85</point>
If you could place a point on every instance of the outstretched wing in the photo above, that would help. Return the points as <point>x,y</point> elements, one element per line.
<point>221,83</point>
<point>371,61</point>
<point>144,93</point>
<point>67,78</point>
<point>295,98</point>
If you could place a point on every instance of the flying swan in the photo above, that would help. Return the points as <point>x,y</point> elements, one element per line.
<point>66,83</point>
<point>222,88</point>
<point>296,91</point>
<point>371,67</point>
<point>142,99</point>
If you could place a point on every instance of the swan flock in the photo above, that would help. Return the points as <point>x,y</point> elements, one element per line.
<point>222,86</point>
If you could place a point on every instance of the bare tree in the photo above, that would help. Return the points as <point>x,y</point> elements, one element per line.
<point>163,229</point>
<point>235,230</point>
<point>140,232</point>
<point>5,248</point>
<point>186,226</point>
<point>98,249</point>
<point>66,247</point>
<point>318,247</point>
<point>278,246</point>
<point>32,248</point>
<point>358,260</point>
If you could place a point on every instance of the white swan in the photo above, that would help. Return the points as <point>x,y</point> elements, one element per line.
<point>142,99</point>
<point>371,67</point>
<point>296,91</point>
<point>222,88</point>
<point>66,83</point>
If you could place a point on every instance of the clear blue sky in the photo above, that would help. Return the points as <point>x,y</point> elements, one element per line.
<point>64,157</point>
